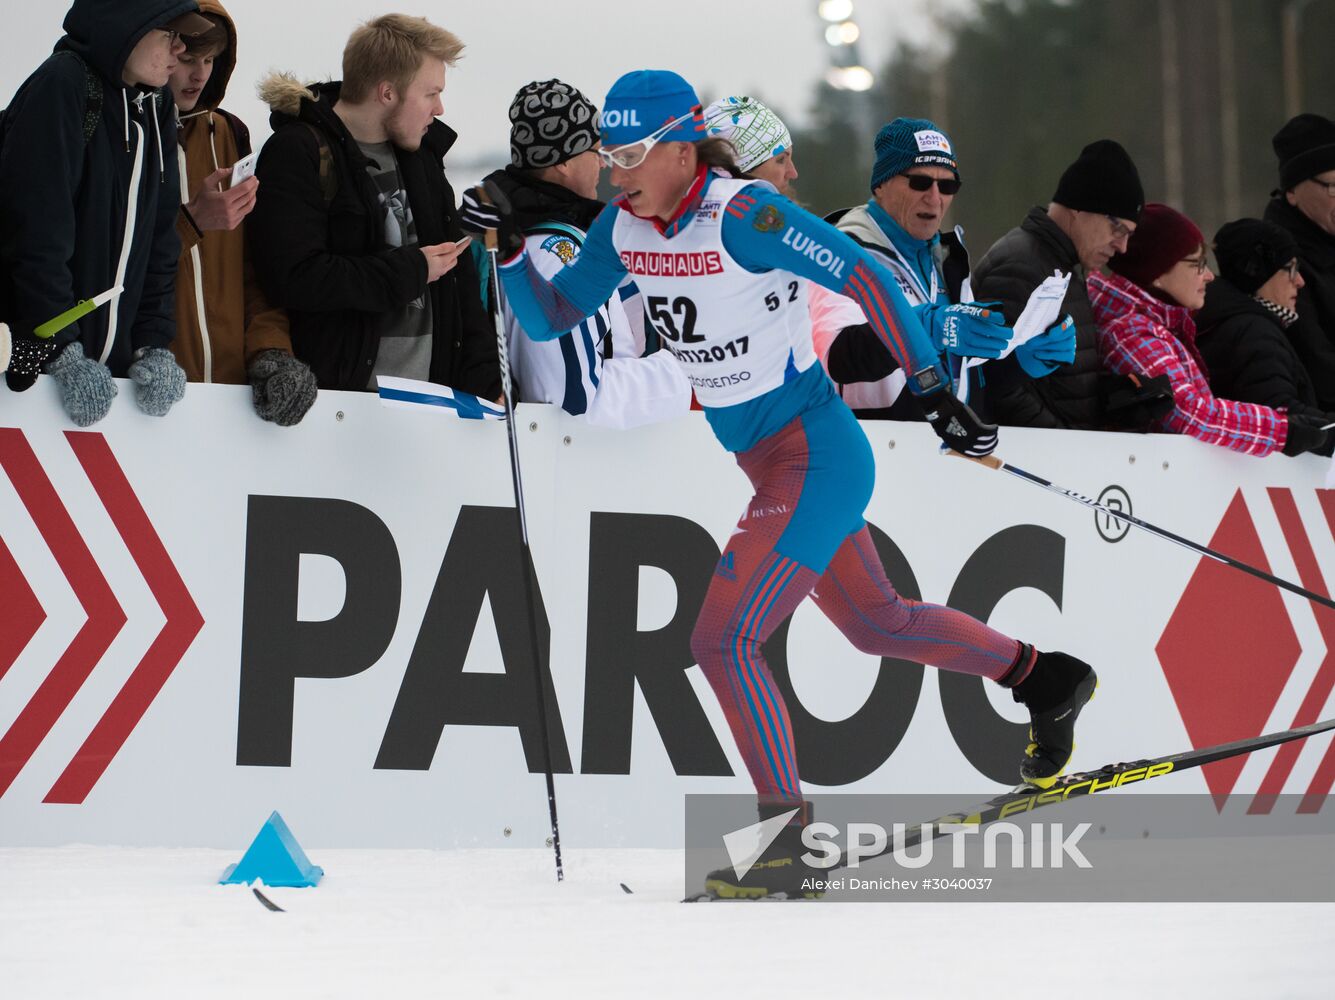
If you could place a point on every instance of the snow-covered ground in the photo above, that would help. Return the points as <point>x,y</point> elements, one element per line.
<point>103,922</point>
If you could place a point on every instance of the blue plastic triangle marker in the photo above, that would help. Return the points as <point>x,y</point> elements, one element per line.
<point>275,858</point>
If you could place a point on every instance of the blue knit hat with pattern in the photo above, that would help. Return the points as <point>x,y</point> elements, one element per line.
<point>911,142</point>
<point>643,101</point>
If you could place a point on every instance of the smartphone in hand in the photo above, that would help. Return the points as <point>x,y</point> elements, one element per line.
<point>243,168</point>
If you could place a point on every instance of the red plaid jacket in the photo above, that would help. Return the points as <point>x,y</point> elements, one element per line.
<point>1141,334</point>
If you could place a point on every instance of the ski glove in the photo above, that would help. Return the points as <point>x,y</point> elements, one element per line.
<point>86,387</point>
<point>27,355</point>
<point>159,380</point>
<point>958,426</point>
<point>1132,402</point>
<point>971,330</point>
<point>476,217</point>
<point>1051,349</point>
<point>282,387</point>
<point>509,238</point>
<point>1305,434</point>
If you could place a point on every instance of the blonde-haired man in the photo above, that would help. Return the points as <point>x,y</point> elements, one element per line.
<point>355,231</point>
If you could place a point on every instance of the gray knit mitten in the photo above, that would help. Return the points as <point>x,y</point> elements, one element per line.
<point>86,387</point>
<point>159,380</point>
<point>283,387</point>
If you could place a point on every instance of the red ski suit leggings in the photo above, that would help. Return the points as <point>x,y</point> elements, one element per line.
<point>803,533</point>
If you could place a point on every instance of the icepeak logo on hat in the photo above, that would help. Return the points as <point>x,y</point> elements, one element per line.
<point>929,141</point>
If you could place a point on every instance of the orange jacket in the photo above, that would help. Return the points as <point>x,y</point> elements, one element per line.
<point>222,318</point>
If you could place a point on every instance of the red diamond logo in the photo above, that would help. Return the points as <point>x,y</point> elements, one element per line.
<point>1229,648</point>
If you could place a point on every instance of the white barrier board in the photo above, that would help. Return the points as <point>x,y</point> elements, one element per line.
<point>206,617</point>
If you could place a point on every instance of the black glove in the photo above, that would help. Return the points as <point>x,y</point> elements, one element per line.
<point>1305,434</point>
<point>27,355</point>
<point>957,425</point>
<point>1134,402</point>
<point>1328,448</point>
<point>475,216</point>
<point>509,238</point>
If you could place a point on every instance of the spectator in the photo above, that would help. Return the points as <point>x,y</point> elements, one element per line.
<point>552,187</point>
<point>1240,330</point>
<point>914,181</point>
<point>762,144</point>
<point>1090,218</point>
<point>1144,325</point>
<point>223,323</point>
<point>88,124</point>
<point>763,149</point>
<point>355,231</point>
<point>1305,206</point>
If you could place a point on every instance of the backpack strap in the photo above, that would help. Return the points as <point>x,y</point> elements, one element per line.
<point>328,179</point>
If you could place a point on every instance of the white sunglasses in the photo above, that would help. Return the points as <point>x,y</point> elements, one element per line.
<point>631,155</point>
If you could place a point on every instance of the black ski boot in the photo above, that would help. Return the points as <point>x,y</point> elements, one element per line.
<point>779,872</point>
<point>1055,691</point>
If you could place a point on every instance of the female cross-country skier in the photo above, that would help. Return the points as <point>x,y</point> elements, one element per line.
<point>722,263</point>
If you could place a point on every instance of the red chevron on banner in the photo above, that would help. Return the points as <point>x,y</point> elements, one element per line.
<point>21,614</point>
<point>182,625</point>
<point>1309,574</point>
<point>1324,779</point>
<point>105,615</point>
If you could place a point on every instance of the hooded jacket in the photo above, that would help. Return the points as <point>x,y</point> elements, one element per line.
<point>79,217</point>
<point>1313,336</point>
<point>328,264</point>
<point>1248,354</point>
<point>222,318</point>
<point>1008,273</point>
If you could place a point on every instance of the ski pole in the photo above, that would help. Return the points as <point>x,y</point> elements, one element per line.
<point>526,555</point>
<point>992,462</point>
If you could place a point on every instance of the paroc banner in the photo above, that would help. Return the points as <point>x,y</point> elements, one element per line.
<point>206,617</point>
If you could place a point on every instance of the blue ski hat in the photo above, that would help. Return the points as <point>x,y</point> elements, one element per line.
<point>911,142</point>
<point>643,101</point>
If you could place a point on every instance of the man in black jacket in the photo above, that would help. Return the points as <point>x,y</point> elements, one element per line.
<point>1305,206</point>
<point>1090,218</point>
<point>355,231</point>
<point>88,202</point>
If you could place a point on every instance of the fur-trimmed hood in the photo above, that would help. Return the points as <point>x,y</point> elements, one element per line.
<point>284,93</point>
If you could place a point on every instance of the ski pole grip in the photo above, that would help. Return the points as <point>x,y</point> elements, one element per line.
<point>488,237</point>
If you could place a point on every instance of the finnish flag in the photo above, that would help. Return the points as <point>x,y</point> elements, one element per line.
<point>409,394</point>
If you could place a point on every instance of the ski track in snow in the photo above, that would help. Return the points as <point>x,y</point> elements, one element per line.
<point>98,922</point>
